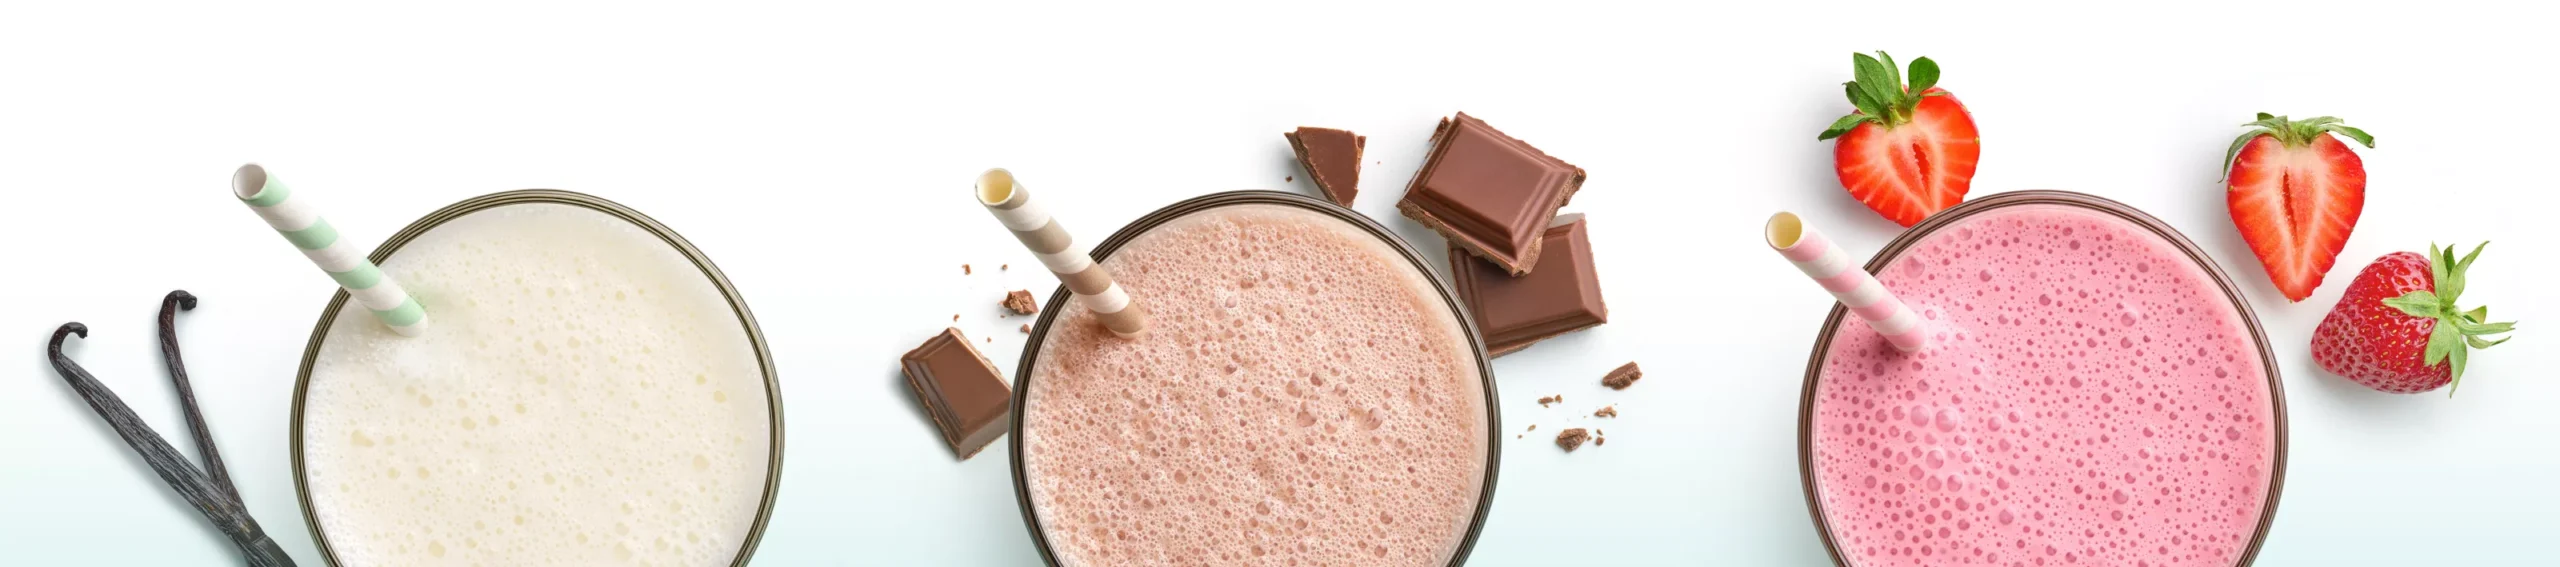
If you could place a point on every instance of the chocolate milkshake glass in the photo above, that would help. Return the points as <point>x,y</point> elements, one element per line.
<point>2095,392</point>
<point>1306,392</point>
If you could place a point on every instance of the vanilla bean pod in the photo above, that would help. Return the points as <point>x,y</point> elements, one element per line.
<point>169,307</point>
<point>227,515</point>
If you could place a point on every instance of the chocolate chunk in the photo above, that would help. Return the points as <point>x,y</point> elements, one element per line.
<point>1571,439</point>
<point>1622,377</point>
<point>1332,159</point>
<point>1610,411</point>
<point>963,392</point>
<point>1489,193</point>
<point>1562,297</point>
<point>1019,301</point>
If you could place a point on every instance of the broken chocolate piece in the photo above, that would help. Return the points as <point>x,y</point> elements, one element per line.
<point>1332,159</point>
<point>1489,193</point>
<point>1610,411</point>
<point>1516,312</point>
<point>964,393</point>
<point>1020,303</point>
<point>1622,377</point>
<point>1571,439</point>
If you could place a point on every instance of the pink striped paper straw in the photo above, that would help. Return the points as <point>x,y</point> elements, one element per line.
<point>1865,297</point>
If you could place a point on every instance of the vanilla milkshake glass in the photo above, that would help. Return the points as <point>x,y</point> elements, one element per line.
<point>1307,392</point>
<point>2096,392</point>
<point>593,393</point>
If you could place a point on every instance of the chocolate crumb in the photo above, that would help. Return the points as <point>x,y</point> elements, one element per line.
<point>1610,411</point>
<point>1026,328</point>
<point>1289,178</point>
<point>1572,439</point>
<point>1019,301</point>
<point>1001,267</point>
<point>1533,427</point>
<point>1623,376</point>
<point>964,269</point>
<point>1600,432</point>
<point>955,316</point>
<point>1600,441</point>
<point>1542,402</point>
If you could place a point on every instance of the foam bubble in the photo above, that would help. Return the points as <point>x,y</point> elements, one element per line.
<point>1302,396</point>
<point>561,411</point>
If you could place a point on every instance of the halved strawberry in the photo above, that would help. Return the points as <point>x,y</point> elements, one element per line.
<point>2295,193</point>
<point>1909,151</point>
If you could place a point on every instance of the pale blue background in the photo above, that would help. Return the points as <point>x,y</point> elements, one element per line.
<point>819,154</point>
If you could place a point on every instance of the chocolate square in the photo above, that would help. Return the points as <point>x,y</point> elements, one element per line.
<point>964,393</point>
<point>1488,192</point>
<point>1562,296</point>
<point>1332,159</point>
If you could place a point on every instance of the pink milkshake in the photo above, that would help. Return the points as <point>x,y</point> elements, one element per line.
<point>1304,395</point>
<point>2091,396</point>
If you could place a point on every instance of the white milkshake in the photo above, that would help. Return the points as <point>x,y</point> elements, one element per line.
<point>587,397</point>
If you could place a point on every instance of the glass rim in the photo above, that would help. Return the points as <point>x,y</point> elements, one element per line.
<point>719,280</point>
<point>1103,249</point>
<point>1911,237</point>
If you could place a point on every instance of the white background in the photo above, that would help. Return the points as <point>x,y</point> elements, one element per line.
<point>819,154</point>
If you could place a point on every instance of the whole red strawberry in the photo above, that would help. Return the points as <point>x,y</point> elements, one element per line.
<point>1909,151</point>
<point>2397,330</point>
<point>2295,193</point>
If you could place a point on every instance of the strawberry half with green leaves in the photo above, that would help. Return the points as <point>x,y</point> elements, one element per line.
<point>2397,330</point>
<point>1909,150</point>
<point>2295,193</point>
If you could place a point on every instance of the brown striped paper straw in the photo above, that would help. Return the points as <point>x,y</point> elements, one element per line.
<point>1091,284</point>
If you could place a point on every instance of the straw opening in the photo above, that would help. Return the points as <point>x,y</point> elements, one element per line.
<point>1785,230</point>
<point>249,181</point>
<point>995,186</point>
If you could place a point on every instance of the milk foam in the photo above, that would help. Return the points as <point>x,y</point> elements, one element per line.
<point>2090,398</point>
<point>1303,397</point>
<point>586,397</point>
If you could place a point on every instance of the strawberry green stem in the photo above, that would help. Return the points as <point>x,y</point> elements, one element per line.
<point>2291,133</point>
<point>2456,331</point>
<point>1880,94</point>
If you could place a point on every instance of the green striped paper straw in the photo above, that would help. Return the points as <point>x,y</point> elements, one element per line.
<point>300,223</point>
